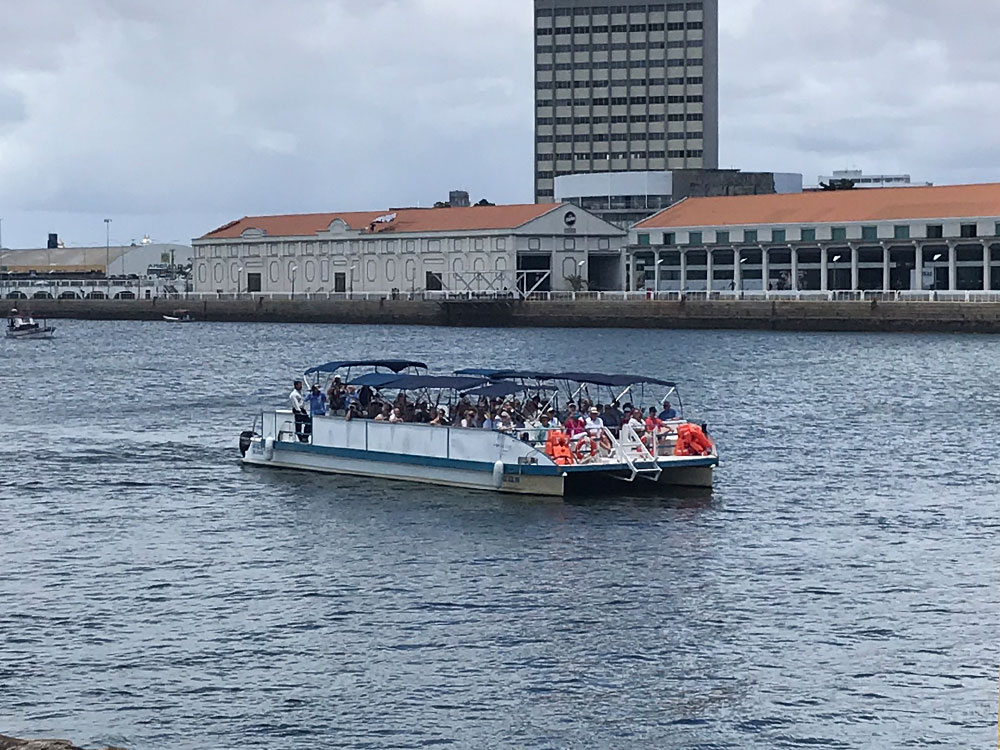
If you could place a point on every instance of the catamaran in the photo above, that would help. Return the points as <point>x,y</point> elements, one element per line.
<point>528,456</point>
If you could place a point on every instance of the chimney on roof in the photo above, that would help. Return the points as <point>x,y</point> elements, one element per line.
<point>458,199</point>
<point>53,241</point>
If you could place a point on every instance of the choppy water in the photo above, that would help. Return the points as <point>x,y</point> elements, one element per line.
<point>838,589</point>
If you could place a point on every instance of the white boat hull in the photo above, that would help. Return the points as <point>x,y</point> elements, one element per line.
<point>474,459</point>
<point>32,333</point>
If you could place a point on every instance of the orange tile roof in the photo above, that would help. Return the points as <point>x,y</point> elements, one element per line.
<point>407,220</point>
<point>833,206</point>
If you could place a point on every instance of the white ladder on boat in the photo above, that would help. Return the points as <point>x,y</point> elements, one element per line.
<point>632,450</point>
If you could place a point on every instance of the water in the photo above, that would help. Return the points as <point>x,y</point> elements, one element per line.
<point>838,589</point>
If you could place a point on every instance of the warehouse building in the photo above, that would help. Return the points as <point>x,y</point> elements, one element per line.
<point>482,248</point>
<point>908,238</point>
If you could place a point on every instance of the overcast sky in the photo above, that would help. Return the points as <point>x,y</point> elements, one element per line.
<point>172,117</point>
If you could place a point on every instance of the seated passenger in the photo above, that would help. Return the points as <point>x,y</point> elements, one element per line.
<point>636,422</point>
<point>469,421</point>
<point>396,415</point>
<point>505,423</point>
<point>488,422</point>
<point>575,428</point>
<point>668,412</point>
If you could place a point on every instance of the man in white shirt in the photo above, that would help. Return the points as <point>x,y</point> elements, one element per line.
<point>303,426</point>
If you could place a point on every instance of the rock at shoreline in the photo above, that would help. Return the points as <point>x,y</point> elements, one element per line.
<point>11,743</point>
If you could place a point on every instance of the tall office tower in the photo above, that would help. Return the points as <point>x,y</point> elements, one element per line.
<point>627,87</point>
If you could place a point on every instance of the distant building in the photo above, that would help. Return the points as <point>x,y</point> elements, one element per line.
<point>624,87</point>
<point>116,260</point>
<point>862,180</point>
<point>916,238</point>
<point>624,198</point>
<point>518,248</point>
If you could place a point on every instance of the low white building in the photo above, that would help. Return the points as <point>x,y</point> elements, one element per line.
<point>862,180</point>
<point>108,260</point>
<point>895,239</point>
<point>517,248</point>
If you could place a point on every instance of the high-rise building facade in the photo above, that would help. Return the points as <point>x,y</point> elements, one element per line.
<point>621,87</point>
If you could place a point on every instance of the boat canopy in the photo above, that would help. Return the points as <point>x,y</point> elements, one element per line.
<point>375,379</point>
<point>418,382</point>
<point>617,381</point>
<point>591,378</point>
<point>396,365</point>
<point>500,390</point>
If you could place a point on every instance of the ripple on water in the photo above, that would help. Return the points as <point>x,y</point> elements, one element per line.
<point>836,590</point>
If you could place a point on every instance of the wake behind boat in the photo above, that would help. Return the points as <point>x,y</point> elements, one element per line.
<point>501,430</point>
<point>25,327</point>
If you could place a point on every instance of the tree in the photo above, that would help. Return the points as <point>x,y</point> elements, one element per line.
<point>577,282</point>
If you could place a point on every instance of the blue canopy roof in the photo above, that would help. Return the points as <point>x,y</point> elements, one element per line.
<point>617,381</point>
<point>415,382</point>
<point>396,365</point>
<point>375,379</point>
<point>499,390</point>
<point>592,378</point>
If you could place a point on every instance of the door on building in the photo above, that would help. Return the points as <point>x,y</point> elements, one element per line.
<point>433,282</point>
<point>253,282</point>
<point>534,273</point>
<point>340,282</point>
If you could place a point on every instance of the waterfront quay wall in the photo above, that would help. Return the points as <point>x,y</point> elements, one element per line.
<point>824,315</point>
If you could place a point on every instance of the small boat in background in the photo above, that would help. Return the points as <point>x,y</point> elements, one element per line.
<point>25,327</point>
<point>179,316</point>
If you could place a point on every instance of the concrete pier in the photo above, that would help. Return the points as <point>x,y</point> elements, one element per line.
<point>970,317</point>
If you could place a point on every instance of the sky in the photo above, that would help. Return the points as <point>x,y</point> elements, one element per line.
<point>172,118</point>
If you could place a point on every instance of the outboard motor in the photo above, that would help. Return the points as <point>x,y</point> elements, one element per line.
<point>245,439</point>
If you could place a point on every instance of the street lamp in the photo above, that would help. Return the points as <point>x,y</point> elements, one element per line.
<point>656,276</point>
<point>351,289</point>
<point>107,255</point>
<point>291,272</point>
<point>239,281</point>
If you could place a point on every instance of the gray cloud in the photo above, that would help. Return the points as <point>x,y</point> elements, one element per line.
<point>176,116</point>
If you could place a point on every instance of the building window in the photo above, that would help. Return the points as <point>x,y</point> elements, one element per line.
<point>750,235</point>
<point>722,237</point>
<point>935,231</point>
<point>970,230</point>
<point>869,233</point>
<point>669,238</point>
<point>644,239</point>
<point>253,282</point>
<point>777,235</point>
<point>694,238</point>
<point>808,235</point>
<point>839,234</point>
<point>901,232</point>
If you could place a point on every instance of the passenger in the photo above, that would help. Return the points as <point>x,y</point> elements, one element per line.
<point>395,416</point>
<point>595,428</point>
<point>384,414</point>
<point>488,423</point>
<point>636,422</point>
<point>612,418</point>
<point>365,396</point>
<point>303,426</point>
<point>505,423</point>
<point>440,419</point>
<point>550,421</point>
<point>653,423</point>
<point>575,428</point>
<point>668,412</point>
<point>469,420</point>
<point>350,399</point>
<point>317,401</point>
